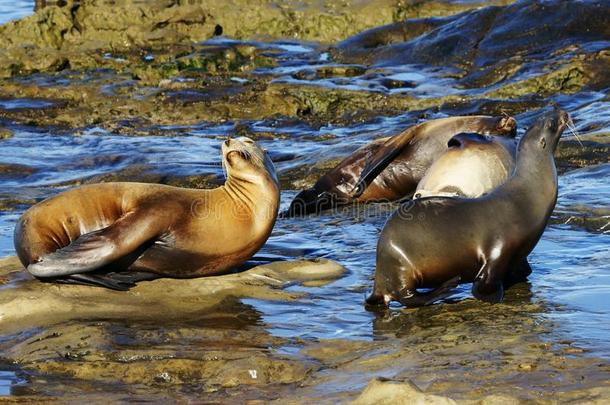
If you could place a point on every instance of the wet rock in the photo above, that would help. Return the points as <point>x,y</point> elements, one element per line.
<point>390,392</point>
<point>103,353</point>
<point>585,151</point>
<point>15,170</point>
<point>14,203</point>
<point>166,333</point>
<point>359,47</point>
<point>32,303</point>
<point>5,133</point>
<point>31,44</point>
<point>490,46</point>
<point>592,219</point>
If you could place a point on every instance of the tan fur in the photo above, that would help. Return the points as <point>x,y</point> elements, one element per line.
<point>181,232</point>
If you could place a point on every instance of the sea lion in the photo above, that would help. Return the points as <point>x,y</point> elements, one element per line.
<point>473,165</point>
<point>438,242</point>
<point>389,169</point>
<point>115,234</point>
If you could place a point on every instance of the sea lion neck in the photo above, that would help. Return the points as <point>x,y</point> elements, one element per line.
<point>534,179</point>
<point>253,195</point>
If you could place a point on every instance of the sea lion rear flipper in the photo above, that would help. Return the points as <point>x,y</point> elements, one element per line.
<point>413,298</point>
<point>310,201</point>
<point>488,285</point>
<point>384,155</point>
<point>97,249</point>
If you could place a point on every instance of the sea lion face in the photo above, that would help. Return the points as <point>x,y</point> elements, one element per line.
<point>243,159</point>
<point>545,133</point>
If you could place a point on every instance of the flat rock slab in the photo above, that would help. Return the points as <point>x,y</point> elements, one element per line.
<point>26,303</point>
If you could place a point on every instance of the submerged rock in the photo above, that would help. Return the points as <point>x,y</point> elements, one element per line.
<point>5,133</point>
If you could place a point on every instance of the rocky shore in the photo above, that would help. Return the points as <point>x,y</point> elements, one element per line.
<point>308,73</point>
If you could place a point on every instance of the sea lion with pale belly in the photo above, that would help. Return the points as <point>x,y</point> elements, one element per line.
<point>389,169</point>
<point>473,165</point>
<point>438,242</point>
<point>115,234</point>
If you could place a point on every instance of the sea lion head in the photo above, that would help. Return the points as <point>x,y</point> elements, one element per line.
<point>546,131</point>
<point>244,160</point>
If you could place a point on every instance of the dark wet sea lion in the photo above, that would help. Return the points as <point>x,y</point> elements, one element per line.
<point>436,242</point>
<point>389,169</point>
<point>473,165</point>
<point>142,231</point>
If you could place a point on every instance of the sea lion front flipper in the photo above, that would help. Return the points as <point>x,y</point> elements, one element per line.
<point>94,280</point>
<point>384,155</point>
<point>97,249</point>
<point>518,272</point>
<point>488,284</point>
<point>413,298</point>
<point>122,281</point>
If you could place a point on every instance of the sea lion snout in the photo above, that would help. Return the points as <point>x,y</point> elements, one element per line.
<point>565,120</point>
<point>551,126</point>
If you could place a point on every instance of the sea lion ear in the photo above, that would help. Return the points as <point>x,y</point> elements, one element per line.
<point>543,143</point>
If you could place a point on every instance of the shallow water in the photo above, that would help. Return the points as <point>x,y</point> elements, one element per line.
<point>15,9</point>
<point>570,265</point>
<point>571,275</point>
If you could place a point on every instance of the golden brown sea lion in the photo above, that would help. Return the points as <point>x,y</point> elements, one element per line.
<point>438,242</point>
<point>389,169</point>
<point>91,233</point>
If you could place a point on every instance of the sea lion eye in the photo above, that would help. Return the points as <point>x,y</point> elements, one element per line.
<point>231,155</point>
<point>543,143</point>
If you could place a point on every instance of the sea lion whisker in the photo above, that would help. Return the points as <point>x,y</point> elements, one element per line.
<point>574,131</point>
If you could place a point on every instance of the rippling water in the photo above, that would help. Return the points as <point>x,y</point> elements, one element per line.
<point>15,9</point>
<point>570,264</point>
